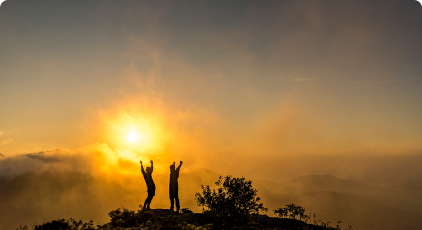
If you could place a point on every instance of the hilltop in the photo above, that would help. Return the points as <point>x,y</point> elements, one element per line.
<point>263,221</point>
<point>166,219</point>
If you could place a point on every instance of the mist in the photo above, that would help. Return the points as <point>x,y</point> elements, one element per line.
<point>38,187</point>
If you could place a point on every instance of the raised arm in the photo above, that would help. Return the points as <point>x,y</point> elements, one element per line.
<point>142,168</point>
<point>180,165</point>
<point>152,165</point>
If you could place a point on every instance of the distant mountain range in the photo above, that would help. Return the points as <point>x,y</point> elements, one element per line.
<point>359,205</point>
<point>44,196</point>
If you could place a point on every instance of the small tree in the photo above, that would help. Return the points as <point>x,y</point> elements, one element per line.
<point>292,211</point>
<point>123,217</point>
<point>70,224</point>
<point>231,204</point>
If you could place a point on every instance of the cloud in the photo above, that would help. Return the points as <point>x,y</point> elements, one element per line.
<point>1,155</point>
<point>80,179</point>
<point>41,157</point>
<point>12,166</point>
<point>5,141</point>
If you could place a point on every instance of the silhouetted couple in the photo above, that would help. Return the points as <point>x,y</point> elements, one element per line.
<point>173,187</point>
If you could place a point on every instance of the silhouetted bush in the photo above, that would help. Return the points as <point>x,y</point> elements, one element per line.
<point>292,211</point>
<point>64,224</point>
<point>125,218</point>
<point>122,218</point>
<point>231,204</point>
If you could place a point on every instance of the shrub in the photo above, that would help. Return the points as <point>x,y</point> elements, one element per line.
<point>122,217</point>
<point>64,224</point>
<point>292,211</point>
<point>126,218</point>
<point>231,204</point>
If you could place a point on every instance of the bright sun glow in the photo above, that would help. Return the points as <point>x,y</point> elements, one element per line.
<point>132,137</point>
<point>134,132</point>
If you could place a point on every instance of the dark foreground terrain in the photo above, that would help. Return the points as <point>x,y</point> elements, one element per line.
<point>259,221</point>
<point>164,219</point>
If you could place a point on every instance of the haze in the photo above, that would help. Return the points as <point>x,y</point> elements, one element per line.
<point>268,90</point>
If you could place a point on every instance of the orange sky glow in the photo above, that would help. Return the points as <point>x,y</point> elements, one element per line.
<point>270,90</point>
<point>303,80</point>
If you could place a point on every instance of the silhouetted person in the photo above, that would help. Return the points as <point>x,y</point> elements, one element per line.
<point>150,185</point>
<point>174,185</point>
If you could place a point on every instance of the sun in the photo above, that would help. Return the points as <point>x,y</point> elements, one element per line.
<point>134,131</point>
<point>139,137</point>
<point>132,137</point>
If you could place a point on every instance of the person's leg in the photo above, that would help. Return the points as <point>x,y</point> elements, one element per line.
<point>151,195</point>
<point>176,196</point>
<point>148,201</point>
<point>145,204</point>
<point>171,199</point>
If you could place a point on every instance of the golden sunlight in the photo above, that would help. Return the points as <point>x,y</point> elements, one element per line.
<point>134,131</point>
<point>132,137</point>
<point>139,135</point>
<point>130,133</point>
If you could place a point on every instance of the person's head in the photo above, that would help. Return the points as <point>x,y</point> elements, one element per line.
<point>172,167</point>
<point>148,169</point>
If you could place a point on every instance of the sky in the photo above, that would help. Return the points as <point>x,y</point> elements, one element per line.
<point>264,89</point>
